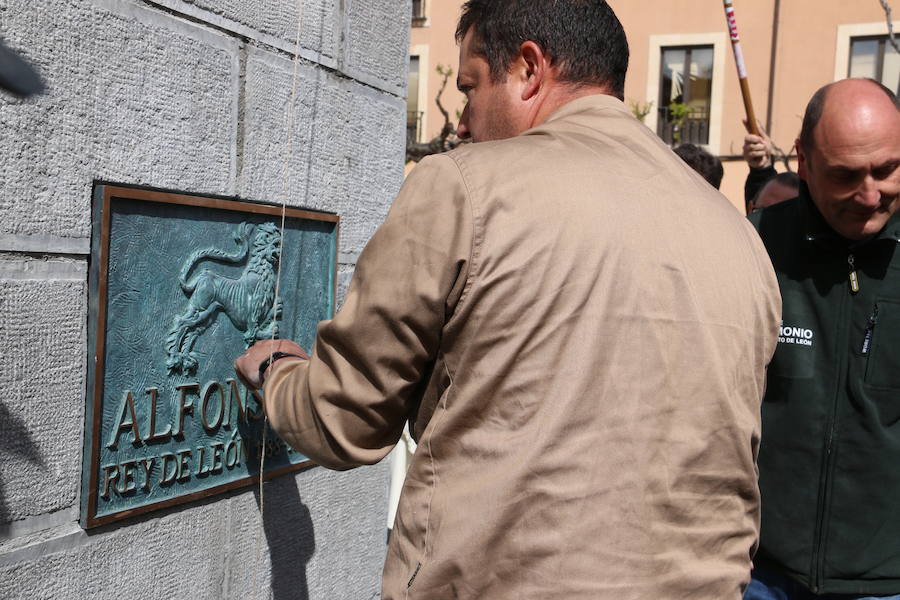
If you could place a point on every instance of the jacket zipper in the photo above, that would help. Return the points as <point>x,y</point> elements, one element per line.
<point>818,560</point>
<point>870,330</point>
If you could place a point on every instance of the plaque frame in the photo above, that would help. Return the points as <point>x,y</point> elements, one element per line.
<point>104,194</point>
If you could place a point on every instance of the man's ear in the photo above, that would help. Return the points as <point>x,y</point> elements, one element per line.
<point>536,69</point>
<point>802,161</point>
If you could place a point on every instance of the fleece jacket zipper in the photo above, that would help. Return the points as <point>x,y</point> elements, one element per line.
<point>817,568</point>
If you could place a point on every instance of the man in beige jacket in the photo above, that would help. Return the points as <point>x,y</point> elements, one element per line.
<point>575,324</point>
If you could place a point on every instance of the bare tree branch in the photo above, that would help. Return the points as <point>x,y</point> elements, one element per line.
<point>778,155</point>
<point>446,139</point>
<point>890,24</point>
<point>448,127</point>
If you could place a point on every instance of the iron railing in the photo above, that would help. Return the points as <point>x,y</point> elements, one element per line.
<point>693,130</point>
<point>413,125</point>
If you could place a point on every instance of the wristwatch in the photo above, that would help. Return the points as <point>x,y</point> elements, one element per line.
<point>264,365</point>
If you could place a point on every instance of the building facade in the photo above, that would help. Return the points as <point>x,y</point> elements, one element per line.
<point>682,71</point>
<point>208,97</point>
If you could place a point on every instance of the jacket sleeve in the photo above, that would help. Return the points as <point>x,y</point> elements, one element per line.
<point>347,405</point>
<point>756,179</point>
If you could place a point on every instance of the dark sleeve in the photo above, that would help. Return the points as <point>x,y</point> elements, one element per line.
<point>756,179</point>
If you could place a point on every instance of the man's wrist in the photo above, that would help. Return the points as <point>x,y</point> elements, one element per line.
<point>270,360</point>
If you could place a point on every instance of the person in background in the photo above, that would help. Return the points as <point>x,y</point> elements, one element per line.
<point>709,166</point>
<point>830,452</point>
<point>784,186</point>
<point>758,151</point>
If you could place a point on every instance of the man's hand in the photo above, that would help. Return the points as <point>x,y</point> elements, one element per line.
<point>758,149</point>
<point>247,365</point>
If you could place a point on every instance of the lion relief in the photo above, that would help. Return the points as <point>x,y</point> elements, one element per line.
<point>249,301</point>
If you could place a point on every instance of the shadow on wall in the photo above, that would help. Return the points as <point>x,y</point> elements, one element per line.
<point>290,537</point>
<point>15,441</point>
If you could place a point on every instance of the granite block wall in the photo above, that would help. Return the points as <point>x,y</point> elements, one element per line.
<point>192,95</point>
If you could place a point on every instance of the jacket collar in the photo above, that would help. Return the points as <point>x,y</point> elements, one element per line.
<point>590,103</point>
<point>817,229</point>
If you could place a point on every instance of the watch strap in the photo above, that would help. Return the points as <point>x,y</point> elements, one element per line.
<point>264,365</point>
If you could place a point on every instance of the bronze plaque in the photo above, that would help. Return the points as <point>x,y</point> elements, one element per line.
<point>180,286</point>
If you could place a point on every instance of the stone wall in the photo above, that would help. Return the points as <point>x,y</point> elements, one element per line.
<point>189,95</point>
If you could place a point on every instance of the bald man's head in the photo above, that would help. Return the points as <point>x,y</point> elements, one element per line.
<point>817,105</point>
<point>849,153</point>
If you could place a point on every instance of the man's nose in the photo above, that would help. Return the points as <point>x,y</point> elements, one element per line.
<point>868,193</point>
<point>462,130</point>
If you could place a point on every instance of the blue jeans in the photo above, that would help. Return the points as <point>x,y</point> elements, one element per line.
<point>768,584</point>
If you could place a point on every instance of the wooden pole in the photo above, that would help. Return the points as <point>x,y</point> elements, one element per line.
<point>752,125</point>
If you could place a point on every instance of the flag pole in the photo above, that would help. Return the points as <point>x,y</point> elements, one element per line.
<point>752,125</point>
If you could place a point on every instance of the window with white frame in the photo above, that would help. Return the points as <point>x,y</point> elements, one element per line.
<point>695,84</point>
<point>864,50</point>
<point>873,56</point>
<point>413,110</point>
<point>419,18</point>
<point>685,94</point>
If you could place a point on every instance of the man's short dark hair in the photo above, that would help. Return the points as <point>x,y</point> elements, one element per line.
<point>583,37</point>
<point>816,107</point>
<point>703,162</point>
<point>787,179</point>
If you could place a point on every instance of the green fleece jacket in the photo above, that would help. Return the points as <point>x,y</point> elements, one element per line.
<point>830,455</point>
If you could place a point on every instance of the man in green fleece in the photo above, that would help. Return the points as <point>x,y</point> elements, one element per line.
<point>830,455</point>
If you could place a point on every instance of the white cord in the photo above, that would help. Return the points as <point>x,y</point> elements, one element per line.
<point>288,159</point>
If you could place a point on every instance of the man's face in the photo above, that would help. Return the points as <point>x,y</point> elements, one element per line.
<point>493,109</point>
<point>853,170</point>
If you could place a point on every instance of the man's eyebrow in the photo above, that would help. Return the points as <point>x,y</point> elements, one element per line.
<point>847,171</point>
<point>843,168</point>
<point>886,168</point>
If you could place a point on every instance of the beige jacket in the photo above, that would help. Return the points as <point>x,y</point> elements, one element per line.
<point>577,326</point>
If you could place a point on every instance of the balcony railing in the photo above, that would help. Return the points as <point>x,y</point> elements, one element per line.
<point>693,130</point>
<point>413,125</point>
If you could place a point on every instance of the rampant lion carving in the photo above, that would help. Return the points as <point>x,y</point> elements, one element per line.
<point>248,301</point>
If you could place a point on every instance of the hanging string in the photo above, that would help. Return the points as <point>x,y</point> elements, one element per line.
<point>288,160</point>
